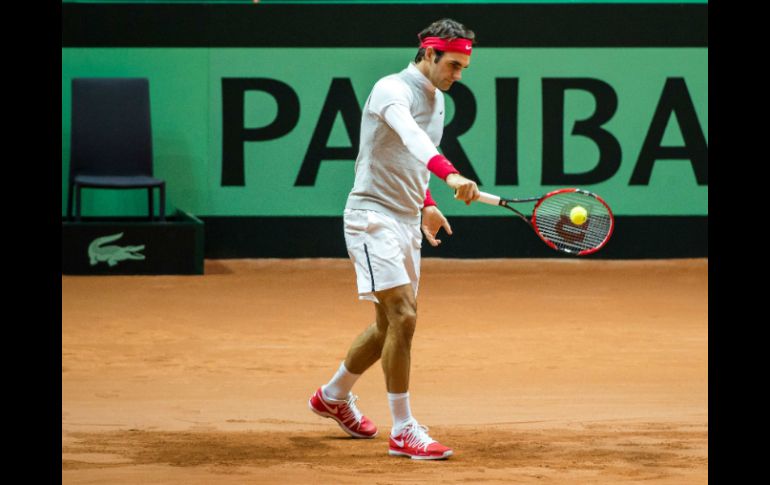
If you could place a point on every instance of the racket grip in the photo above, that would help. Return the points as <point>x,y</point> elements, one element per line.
<point>489,198</point>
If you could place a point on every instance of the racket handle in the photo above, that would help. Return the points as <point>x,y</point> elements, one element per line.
<point>489,198</point>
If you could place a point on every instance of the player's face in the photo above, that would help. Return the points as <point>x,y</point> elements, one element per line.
<point>448,69</point>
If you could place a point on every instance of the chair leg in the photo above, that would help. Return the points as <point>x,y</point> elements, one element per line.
<point>150,202</point>
<point>78,188</point>
<point>163,202</point>
<point>70,195</point>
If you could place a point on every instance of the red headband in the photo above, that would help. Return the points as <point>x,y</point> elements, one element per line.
<point>463,46</point>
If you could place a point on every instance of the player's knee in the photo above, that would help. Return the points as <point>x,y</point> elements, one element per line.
<point>403,322</point>
<point>399,308</point>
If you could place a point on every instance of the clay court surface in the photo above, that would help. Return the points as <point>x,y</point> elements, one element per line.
<point>535,371</point>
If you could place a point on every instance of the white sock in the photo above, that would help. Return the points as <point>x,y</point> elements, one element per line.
<point>399,409</point>
<point>341,384</point>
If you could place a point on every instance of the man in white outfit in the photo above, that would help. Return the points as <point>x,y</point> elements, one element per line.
<point>401,127</point>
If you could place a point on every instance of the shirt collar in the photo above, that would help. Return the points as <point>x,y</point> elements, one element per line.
<point>415,73</point>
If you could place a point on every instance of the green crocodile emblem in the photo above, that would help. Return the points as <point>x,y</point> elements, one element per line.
<point>112,254</point>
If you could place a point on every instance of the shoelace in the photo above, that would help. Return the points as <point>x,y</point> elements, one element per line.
<point>351,410</point>
<point>416,435</point>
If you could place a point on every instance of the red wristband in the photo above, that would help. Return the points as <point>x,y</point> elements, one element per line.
<point>428,199</point>
<point>440,166</point>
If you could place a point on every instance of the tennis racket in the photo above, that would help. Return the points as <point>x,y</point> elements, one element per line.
<point>553,215</point>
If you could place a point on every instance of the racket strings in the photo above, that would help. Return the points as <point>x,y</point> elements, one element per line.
<point>553,222</point>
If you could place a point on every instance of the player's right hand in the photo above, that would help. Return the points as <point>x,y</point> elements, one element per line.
<point>465,190</point>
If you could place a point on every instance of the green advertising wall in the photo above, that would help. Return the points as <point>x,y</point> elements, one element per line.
<point>621,110</point>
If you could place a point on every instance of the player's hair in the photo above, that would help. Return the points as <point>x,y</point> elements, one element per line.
<point>446,29</point>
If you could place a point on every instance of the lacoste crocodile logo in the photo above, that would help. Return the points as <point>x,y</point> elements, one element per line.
<point>112,255</point>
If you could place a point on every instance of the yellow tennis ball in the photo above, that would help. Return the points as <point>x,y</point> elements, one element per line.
<point>578,215</point>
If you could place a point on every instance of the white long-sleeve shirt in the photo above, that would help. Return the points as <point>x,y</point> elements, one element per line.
<point>401,126</point>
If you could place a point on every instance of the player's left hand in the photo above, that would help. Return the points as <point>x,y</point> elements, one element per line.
<point>432,221</point>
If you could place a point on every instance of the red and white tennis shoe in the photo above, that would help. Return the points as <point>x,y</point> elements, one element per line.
<point>345,412</point>
<point>413,441</point>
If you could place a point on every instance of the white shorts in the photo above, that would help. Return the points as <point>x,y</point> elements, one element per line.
<point>384,251</point>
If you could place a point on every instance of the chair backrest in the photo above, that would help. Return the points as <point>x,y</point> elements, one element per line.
<point>111,131</point>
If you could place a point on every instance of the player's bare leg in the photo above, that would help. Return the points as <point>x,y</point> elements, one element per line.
<point>407,437</point>
<point>335,399</point>
<point>400,309</point>
<point>366,349</point>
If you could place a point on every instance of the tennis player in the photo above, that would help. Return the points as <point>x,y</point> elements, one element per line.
<point>401,127</point>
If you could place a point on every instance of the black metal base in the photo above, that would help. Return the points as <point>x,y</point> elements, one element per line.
<point>133,246</point>
<point>635,237</point>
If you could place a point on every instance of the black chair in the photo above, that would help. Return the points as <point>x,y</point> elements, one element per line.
<point>111,142</point>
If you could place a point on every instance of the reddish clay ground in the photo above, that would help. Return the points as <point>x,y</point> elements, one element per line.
<point>534,371</point>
